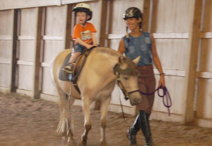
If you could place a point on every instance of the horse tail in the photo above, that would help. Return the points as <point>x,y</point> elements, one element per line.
<point>55,67</point>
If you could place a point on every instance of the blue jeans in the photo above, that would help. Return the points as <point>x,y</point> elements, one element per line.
<point>79,48</point>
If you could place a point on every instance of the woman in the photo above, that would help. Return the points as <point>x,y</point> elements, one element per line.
<point>140,43</point>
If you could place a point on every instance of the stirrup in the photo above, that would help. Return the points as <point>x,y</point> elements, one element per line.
<point>69,68</point>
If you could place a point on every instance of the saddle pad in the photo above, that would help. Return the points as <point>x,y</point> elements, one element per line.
<point>63,75</point>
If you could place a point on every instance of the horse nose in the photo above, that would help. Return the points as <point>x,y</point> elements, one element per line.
<point>135,101</point>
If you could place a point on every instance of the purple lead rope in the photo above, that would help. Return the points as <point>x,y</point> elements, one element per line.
<point>167,102</point>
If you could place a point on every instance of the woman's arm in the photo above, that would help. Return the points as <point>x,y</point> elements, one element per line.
<point>157,62</point>
<point>121,47</point>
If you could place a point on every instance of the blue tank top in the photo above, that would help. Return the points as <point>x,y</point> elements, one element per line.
<point>139,46</point>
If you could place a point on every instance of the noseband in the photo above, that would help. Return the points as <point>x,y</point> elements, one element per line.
<point>130,70</point>
<point>126,94</point>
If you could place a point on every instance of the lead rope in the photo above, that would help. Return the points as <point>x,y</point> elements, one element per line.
<point>121,103</point>
<point>167,102</point>
<point>127,122</point>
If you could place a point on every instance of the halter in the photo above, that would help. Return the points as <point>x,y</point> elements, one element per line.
<point>130,70</point>
<point>126,94</point>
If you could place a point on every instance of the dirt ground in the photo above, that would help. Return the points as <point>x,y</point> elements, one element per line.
<point>29,122</point>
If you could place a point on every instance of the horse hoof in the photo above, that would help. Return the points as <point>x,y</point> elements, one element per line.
<point>133,145</point>
<point>82,143</point>
<point>63,141</point>
<point>71,142</point>
<point>103,143</point>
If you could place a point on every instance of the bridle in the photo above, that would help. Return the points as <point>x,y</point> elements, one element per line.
<point>125,92</point>
<point>130,70</point>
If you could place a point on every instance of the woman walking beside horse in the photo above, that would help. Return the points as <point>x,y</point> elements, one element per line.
<point>140,43</point>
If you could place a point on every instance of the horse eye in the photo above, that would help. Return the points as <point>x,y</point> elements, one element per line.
<point>125,78</point>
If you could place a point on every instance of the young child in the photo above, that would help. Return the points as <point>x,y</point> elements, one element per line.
<point>83,33</point>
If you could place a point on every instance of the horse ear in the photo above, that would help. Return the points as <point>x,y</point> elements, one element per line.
<point>123,65</point>
<point>136,59</point>
<point>121,60</point>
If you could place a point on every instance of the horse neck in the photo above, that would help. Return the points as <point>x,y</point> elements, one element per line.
<point>105,61</point>
<point>108,57</point>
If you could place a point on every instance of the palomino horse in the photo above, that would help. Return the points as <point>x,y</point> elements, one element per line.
<point>96,82</point>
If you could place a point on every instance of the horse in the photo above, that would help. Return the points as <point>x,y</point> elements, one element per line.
<point>103,67</point>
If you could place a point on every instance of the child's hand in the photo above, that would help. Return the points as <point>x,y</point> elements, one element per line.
<point>89,46</point>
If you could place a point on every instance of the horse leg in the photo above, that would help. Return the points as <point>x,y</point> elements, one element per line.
<point>87,123</point>
<point>103,110</point>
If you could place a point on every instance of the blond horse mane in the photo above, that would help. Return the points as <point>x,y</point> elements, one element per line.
<point>108,51</point>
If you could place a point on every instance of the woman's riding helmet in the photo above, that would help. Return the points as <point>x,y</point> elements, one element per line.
<point>133,12</point>
<point>83,7</point>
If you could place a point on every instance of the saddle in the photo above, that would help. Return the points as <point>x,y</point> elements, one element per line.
<point>77,68</point>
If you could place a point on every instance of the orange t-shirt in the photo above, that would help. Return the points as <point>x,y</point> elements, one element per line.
<point>84,33</point>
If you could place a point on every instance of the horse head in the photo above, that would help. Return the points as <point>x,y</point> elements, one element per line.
<point>127,74</point>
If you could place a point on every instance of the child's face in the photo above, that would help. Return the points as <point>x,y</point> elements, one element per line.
<point>81,17</point>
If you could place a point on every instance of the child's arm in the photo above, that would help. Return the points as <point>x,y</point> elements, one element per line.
<point>88,46</point>
<point>77,37</point>
<point>94,39</point>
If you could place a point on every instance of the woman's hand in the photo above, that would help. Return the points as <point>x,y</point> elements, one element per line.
<point>162,80</point>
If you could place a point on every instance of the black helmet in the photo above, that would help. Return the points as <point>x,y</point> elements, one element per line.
<point>132,12</point>
<point>83,7</point>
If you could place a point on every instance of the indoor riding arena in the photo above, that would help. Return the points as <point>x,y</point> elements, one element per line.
<point>34,32</point>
